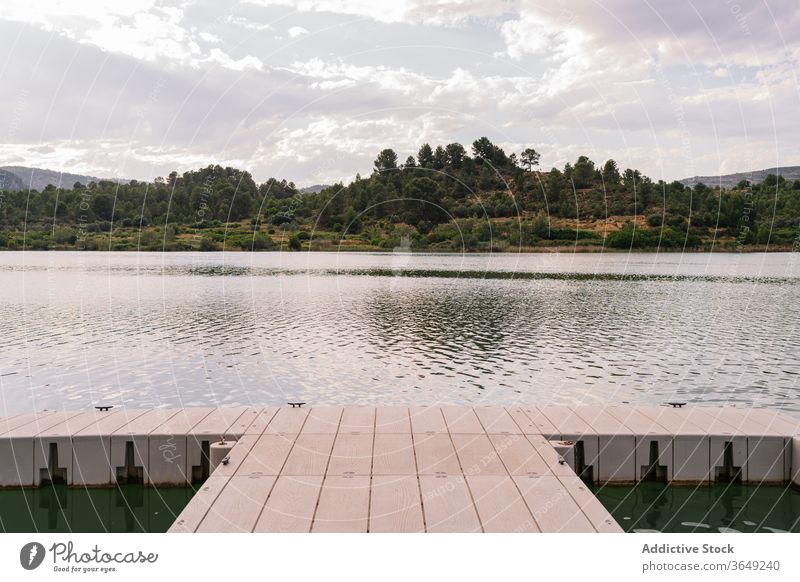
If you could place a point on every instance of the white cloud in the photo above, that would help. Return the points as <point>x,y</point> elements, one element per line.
<point>296,31</point>
<point>208,37</point>
<point>142,29</point>
<point>439,13</point>
<point>334,148</point>
<point>247,23</point>
<point>621,78</point>
<point>224,60</point>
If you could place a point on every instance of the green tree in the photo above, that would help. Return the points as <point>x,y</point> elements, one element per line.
<point>455,154</point>
<point>611,173</point>
<point>554,186</point>
<point>103,206</point>
<point>425,156</point>
<point>483,149</point>
<point>583,172</point>
<point>529,158</point>
<point>386,161</point>
<point>439,158</point>
<point>424,200</point>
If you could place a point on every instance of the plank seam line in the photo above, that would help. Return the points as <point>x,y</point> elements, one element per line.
<point>514,481</point>
<point>460,466</point>
<point>280,471</point>
<point>371,466</point>
<point>325,473</point>
<point>416,467</point>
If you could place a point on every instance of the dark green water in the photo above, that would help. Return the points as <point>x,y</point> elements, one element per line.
<point>743,508</point>
<point>59,509</point>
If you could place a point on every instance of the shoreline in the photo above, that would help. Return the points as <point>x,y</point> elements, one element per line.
<point>561,249</point>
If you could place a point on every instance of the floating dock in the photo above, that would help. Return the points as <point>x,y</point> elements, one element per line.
<point>397,469</point>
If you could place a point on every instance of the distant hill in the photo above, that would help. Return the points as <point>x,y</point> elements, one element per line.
<point>10,181</point>
<point>39,178</point>
<point>755,177</point>
<point>315,189</point>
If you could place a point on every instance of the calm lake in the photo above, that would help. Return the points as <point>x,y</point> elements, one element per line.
<point>189,329</point>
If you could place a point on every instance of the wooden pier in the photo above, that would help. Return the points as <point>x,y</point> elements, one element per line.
<point>397,469</point>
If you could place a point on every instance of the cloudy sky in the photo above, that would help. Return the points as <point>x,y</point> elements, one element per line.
<point>311,90</point>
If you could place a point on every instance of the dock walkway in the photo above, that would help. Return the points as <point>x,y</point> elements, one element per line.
<point>397,469</point>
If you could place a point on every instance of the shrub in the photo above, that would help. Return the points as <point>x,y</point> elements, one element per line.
<point>655,220</point>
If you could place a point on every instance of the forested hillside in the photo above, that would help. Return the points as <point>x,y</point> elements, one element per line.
<point>446,198</point>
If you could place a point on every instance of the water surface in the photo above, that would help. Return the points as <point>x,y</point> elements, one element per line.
<point>185,329</point>
<point>121,509</point>
<point>722,508</point>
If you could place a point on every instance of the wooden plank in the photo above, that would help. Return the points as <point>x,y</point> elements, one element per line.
<point>352,454</point>
<point>290,507</point>
<point>427,419</point>
<point>287,421</point>
<point>194,512</point>
<point>777,420</point>
<point>715,421</point>
<point>751,423</point>
<point>10,423</point>
<point>323,420</point>
<point>358,420</point>
<point>674,420</point>
<point>39,424</point>
<point>242,424</point>
<point>496,420</point>
<point>518,455</point>
<point>268,455</point>
<point>553,508</point>
<point>146,423</point>
<point>549,455</point>
<point>393,454</point>
<point>392,420</point>
<point>221,421</point>
<point>435,454</point>
<point>240,451</point>
<point>636,421</point>
<point>104,426</point>
<point>461,420</point>
<point>531,421</point>
<point>566,422</point>
<point>262,420</point>
<point>500,506</point>
<point>74,424</point>
<point>238,506</point>
<point>343,505</point>
<point>310,455</point>
<point>447,505</point>
<point>395,505</point>
<point>182,422</point>
<point>594,511</point>
<point>601,421</point>
<point>477,456</point>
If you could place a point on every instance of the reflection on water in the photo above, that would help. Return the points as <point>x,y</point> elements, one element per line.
<point>189,329</point>
<point>716,508</point>
<point>59,509</point>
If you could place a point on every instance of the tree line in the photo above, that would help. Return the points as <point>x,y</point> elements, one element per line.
<point>443,197</point>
